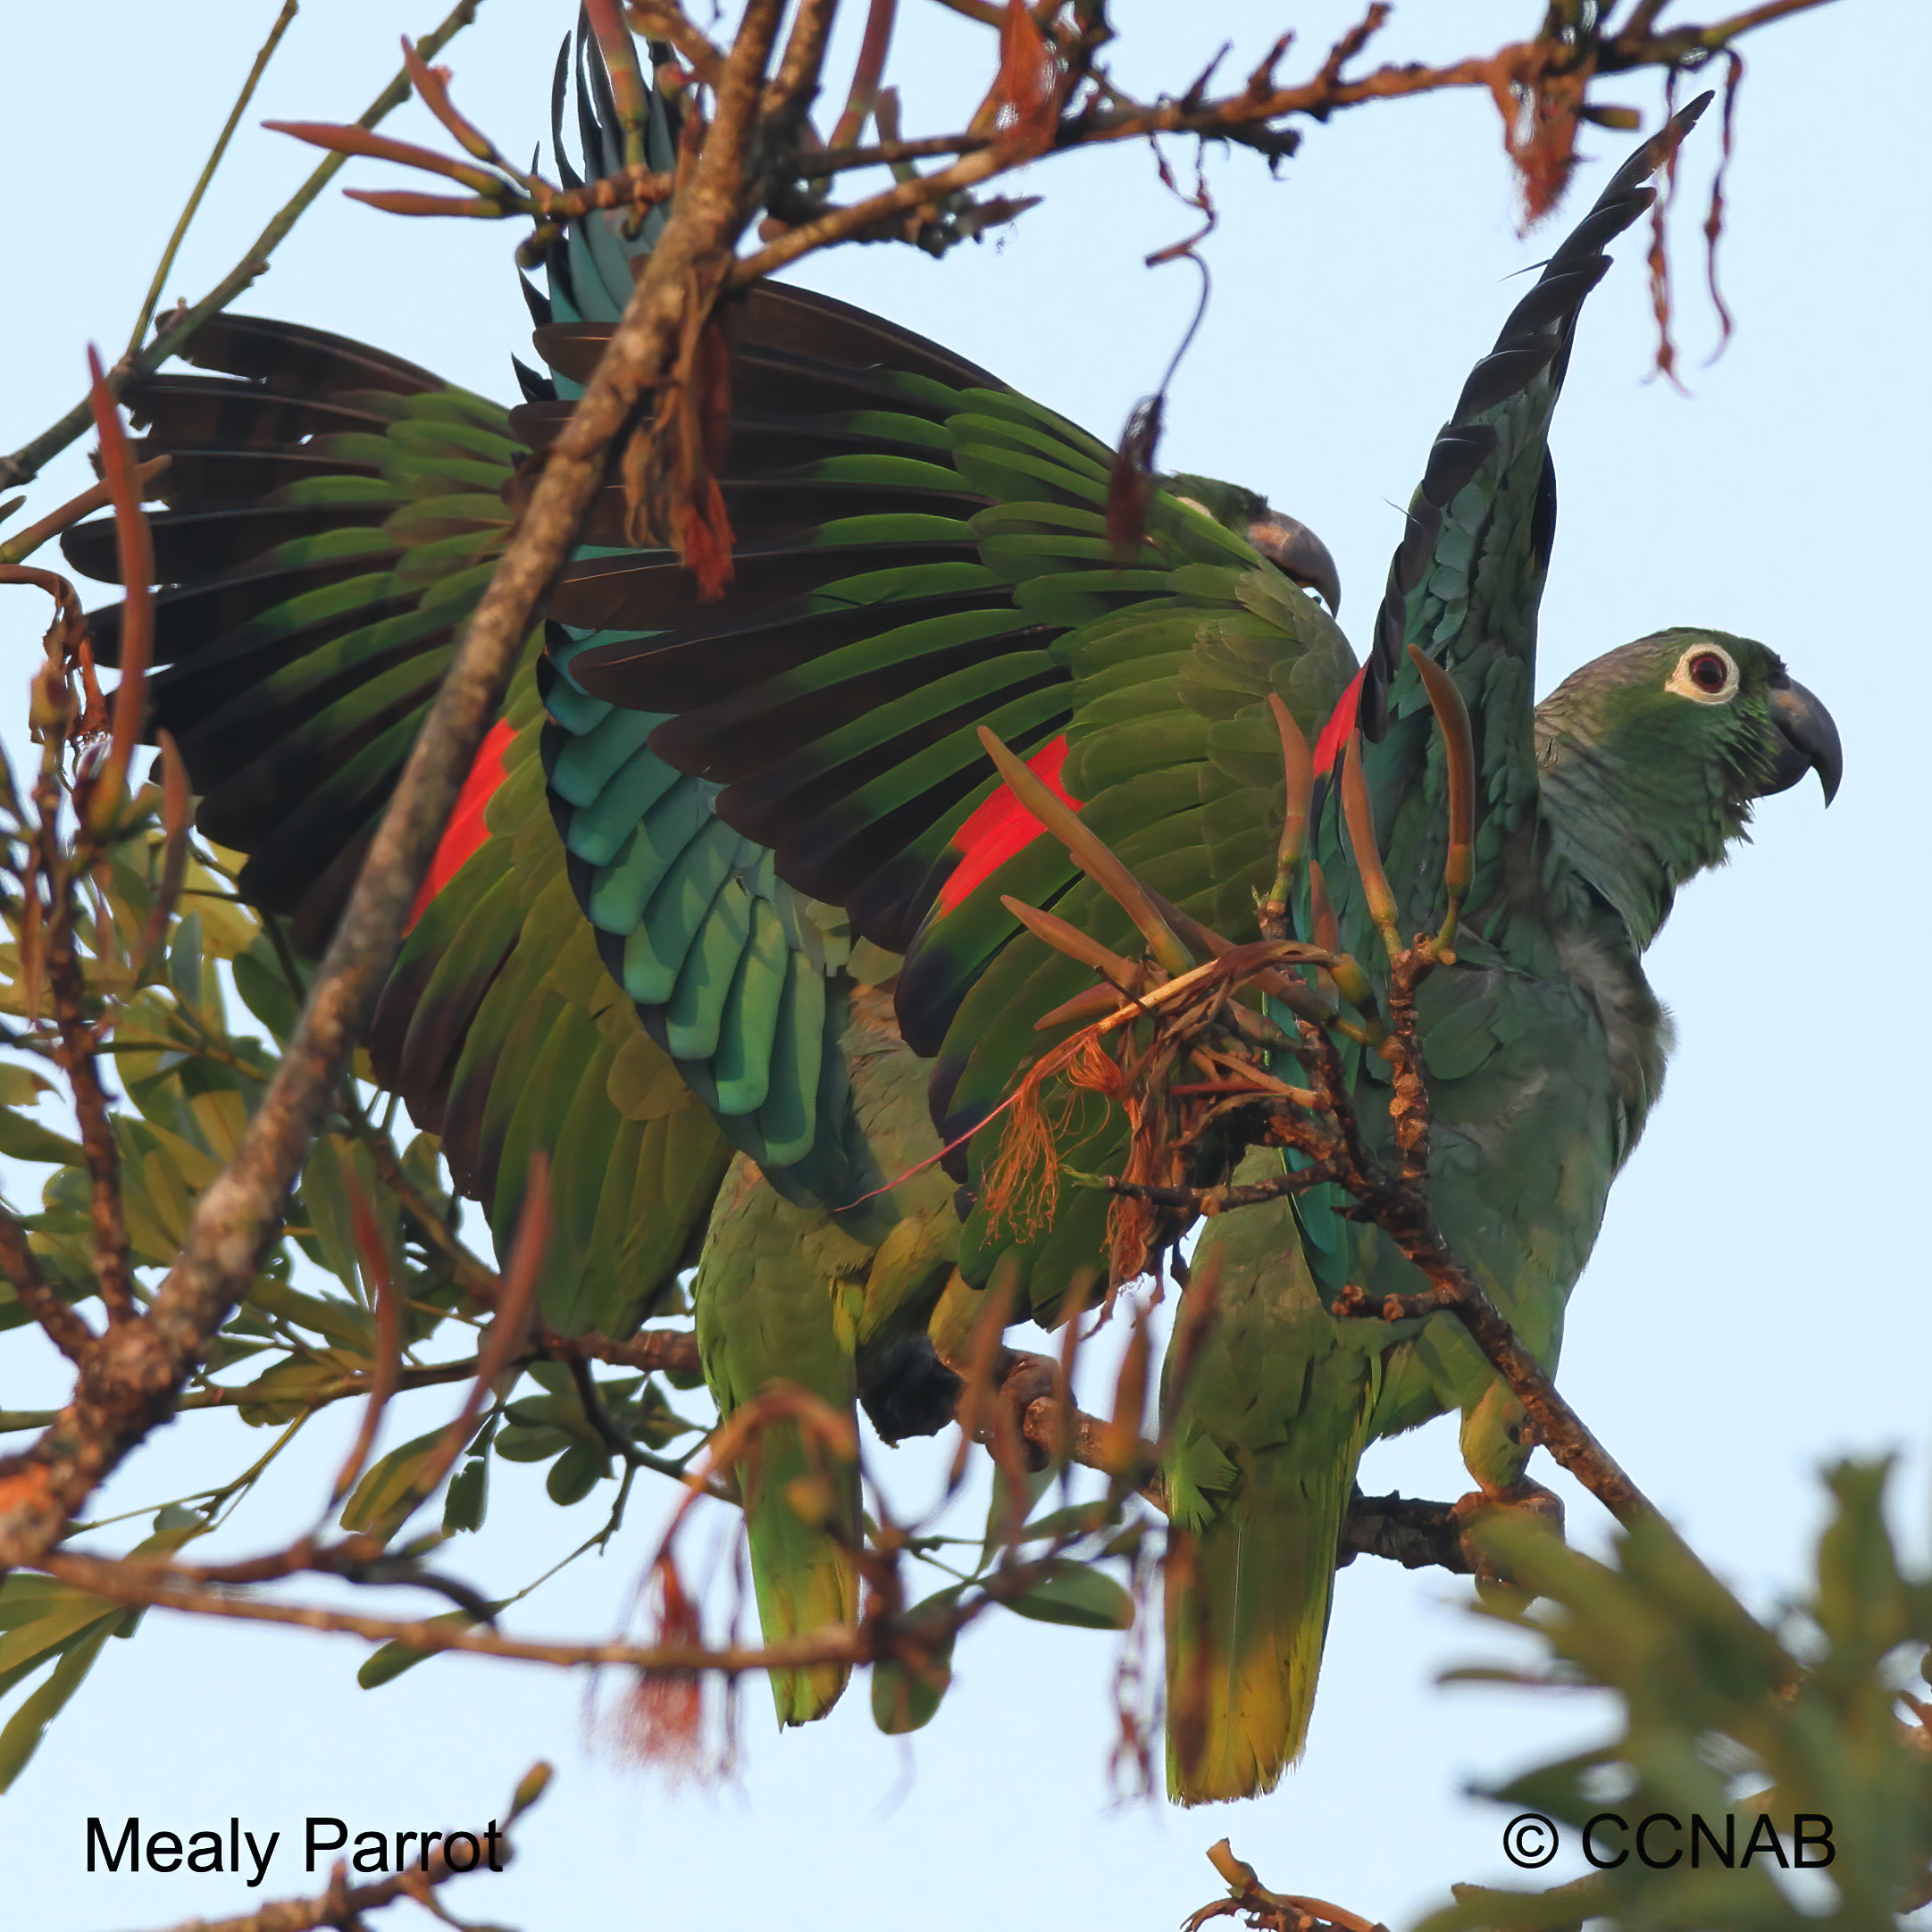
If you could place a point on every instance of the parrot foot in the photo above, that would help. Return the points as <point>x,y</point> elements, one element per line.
<point>1521,1497</point>
<point>1018,1380</point>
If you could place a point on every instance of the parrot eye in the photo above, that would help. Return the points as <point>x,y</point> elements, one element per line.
<point>1706,675</point>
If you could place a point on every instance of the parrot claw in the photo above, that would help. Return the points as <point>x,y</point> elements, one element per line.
<point>1520,1498</point>
<point>1019,1380</point>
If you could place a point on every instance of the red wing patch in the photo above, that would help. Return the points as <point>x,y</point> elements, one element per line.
<point>1341,722</point>
<point>465,830</point>
<point>1001,827</point>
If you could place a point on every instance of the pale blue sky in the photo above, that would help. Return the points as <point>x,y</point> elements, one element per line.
<point>1758,1301</point>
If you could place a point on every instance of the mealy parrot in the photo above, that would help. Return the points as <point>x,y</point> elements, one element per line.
<point>718,921</point>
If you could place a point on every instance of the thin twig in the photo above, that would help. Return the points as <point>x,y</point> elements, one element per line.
<point>227,134</point>
<point>665,20</point>
<point>515,1303</point>
<point>387,1362</point>
<point>866,73</point>
<point>25,542</point>
<point>131,1581</point>
<point>27,462</point>
<point>474,1276</point>
<point>1270,1912</point>
<point>63,1327</point>
<point>796,82</point>
<point>342,1904</point>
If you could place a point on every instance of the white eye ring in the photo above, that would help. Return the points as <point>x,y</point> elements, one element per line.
<point>1691,678</point>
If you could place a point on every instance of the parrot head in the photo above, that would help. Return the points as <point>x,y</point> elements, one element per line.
<point>1293,548</point>
<point>1652,755</point>
<point>1721,710</point>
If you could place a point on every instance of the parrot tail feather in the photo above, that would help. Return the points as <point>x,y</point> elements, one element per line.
<point>802,1575</point>
<point>1248,1598</point>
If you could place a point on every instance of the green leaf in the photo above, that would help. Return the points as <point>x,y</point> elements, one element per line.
<point>1076,1593</point>
<point>422,1161</point>
<point>1860,1603</point>
<point>522,1444</point>
<point>168,1196</point>
<point>575,1474</point>
<point>28,1724</point>
<point>226,1349</point>
<point>467,1500</point>
<point>389,1661</point>
<point>325,1197</point>
<point>220,1117</point>
<point>227,927</point>
<point>21,1139</point>
<point>151,1240</point>
<point>537,1426</point>
<point>1078,1520</point>
<point>321,1315</point>
<point>387,1483</point>
<point>192,1167</point>
<point>266,990</point>
<point>638,1406</point>
<point>653,1421</point>
<point>551,1415</point>
<point>1004,1512</point>
<point>184,960</point>
<point>906,1700</point>
<point>277,1395</point>
<point>20,1086</point>
<point>58,1619</point>
<point>25,1596</point>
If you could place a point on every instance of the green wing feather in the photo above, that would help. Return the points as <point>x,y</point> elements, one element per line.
<point>295,678</point>
<point>838,718</point>
<point>1464,588</point>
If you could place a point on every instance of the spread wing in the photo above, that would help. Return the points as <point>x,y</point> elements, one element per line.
<point>332,516</point>
<point>831,701</point>
<point>1466,580</point>
<point>696,827</point>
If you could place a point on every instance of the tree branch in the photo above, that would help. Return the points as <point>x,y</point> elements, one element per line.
<point>654,1350</point>
<point>665,20</point>
<point>343,1904</point>
<point>1270,1912</point>
<point>168,254</point>
<point>27,462</point>
<point>63,1327</point>
<point>133,1582</point>
<point>132,1379</point>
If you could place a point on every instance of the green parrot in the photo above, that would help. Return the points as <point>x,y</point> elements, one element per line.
<point>718,921</point>
<point>1543,1042</point>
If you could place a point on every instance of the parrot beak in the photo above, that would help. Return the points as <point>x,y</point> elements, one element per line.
<point>1810,742</point>
<point>1297,552</point>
